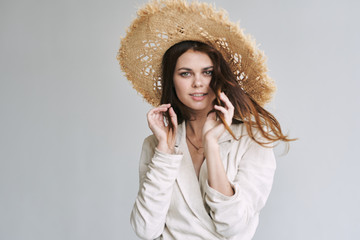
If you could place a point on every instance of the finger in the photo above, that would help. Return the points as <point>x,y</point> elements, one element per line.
<point>160,118</point>
<point>156,115</point>
<point>160,109</point>
<point>156,120</point>
<point>228,114</point>
<point>173,117</point>
<point>165,105</point>
<point>221,109</point>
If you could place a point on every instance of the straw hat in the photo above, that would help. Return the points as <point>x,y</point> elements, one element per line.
<point>162,23</point>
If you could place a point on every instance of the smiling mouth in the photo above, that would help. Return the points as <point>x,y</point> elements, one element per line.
<point>198,94</point>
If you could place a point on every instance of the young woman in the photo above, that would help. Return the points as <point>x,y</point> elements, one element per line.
<point>207,170</point>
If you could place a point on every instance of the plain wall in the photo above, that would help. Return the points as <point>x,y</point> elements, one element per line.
<point>71,126</point>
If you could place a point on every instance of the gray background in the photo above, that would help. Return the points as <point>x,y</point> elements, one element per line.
<point>71,126</point>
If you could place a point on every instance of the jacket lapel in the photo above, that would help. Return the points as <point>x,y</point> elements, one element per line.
<point>189,184</point>
<point>187,180</point>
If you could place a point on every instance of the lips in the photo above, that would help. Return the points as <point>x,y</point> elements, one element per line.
<point>198,96</point>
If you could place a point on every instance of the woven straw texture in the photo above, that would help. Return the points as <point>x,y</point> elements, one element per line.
<point>163,23</point>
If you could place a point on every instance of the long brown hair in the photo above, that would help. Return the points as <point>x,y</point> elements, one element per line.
<point>246,110</point>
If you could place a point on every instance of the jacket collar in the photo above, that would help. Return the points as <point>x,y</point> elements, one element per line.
<point>226,136</point>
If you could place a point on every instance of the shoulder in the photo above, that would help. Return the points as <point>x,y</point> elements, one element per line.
<point>238,129</point>
<point>150,140</point>
<point>248,151</point>
<point>242,133</point>
<point>148,147</point>
<point>244,146</point>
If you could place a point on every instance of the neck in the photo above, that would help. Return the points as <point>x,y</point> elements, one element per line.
<point>194,127</point>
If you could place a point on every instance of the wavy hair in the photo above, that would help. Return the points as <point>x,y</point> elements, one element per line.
<point>246,110</point>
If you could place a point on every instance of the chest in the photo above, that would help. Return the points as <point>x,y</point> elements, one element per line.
<point>197,159</point>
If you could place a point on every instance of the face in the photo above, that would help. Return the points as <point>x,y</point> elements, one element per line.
<point>192,77</point>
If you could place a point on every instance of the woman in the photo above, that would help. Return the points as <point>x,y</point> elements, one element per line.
<point>207,170</point>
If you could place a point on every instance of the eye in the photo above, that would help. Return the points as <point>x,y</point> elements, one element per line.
<point>208,73</point>
<point>185,74</point>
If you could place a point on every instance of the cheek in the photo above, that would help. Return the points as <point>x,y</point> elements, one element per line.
<point>213,96</point>
<point>180,86</point>
<point>211,91</point>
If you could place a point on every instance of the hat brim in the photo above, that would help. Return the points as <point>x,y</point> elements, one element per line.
<point>161,24</point>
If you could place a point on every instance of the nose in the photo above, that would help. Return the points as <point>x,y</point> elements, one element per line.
<point>197,81</point>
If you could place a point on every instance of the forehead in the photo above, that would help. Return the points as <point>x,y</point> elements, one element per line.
<point>194,59</point>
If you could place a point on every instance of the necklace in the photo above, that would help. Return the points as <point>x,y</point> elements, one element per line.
<point>198,149</point>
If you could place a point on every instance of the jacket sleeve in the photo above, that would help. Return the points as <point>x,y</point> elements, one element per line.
<point>157,174</point>
<point>238,215</point>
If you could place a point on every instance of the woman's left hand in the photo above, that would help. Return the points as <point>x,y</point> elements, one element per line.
<point>213,129</point>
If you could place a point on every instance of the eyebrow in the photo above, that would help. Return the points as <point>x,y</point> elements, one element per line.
<point>189,69</point>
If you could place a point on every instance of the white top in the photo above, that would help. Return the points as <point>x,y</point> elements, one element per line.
<point>173,204</point>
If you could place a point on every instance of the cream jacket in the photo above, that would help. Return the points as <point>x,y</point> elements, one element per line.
<point>173,204</point>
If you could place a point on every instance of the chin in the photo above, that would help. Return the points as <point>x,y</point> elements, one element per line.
<point>200,107</point>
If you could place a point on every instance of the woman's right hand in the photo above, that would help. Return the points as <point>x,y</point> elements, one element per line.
<point>164,134</point>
